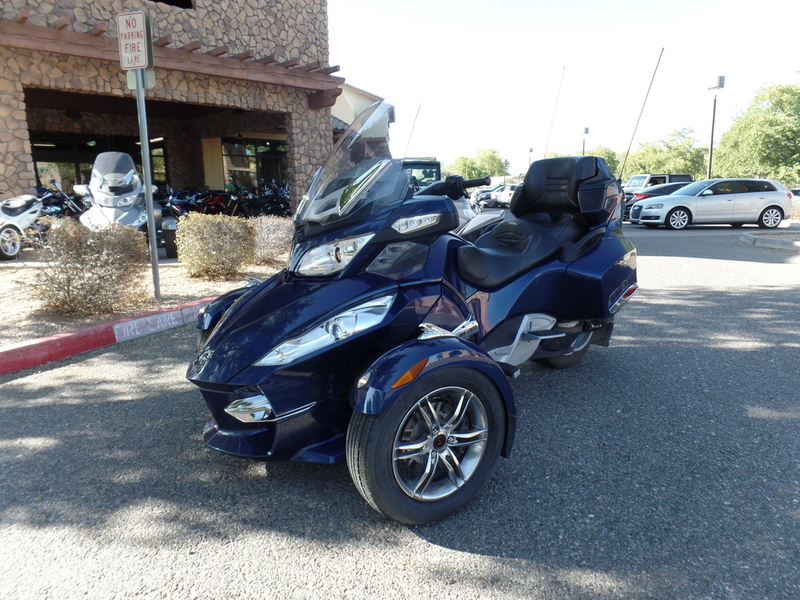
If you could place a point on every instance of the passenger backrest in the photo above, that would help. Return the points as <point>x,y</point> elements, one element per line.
<point>581,186</point>
<point>551,185</point>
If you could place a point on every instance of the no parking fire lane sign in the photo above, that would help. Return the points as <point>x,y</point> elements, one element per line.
<point>135,42</point>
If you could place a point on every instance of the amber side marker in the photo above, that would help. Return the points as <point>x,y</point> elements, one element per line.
<point>410,375</point>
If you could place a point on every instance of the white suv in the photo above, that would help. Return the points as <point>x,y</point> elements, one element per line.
<point>733,201</point>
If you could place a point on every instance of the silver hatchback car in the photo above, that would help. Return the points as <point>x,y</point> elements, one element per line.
<point>733,201</point>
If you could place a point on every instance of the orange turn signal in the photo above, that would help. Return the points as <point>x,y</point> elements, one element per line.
<point>411,374</point>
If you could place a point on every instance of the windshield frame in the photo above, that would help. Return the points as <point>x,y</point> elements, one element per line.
<point>363,173</point>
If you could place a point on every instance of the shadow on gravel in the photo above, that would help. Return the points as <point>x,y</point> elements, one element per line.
<point>88,452</point>
<point>670,458</point>
<point>664,466</point>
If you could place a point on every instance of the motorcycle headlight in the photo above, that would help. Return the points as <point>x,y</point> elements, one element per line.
<point>332,258</point>
<point>345,324</point>
<point>140,220</point>
<point>103,198</point>
<point>654,206</point>
<point>126,200</point>
<point>416,222</point>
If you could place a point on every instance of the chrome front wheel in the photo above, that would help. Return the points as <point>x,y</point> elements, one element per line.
<point>10,243</point>
<point>440,443</point>
<point>431,451</point>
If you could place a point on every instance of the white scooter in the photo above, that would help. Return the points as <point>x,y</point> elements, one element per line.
<point>116,195</point>
<point>16,215</point>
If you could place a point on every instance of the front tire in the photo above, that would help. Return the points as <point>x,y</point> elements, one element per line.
<point>428,454</point>
<point>770,218</point>
<point>10,243</point>
<point>678,218</point>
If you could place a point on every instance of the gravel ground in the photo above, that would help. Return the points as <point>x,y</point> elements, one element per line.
<point>665,467</point>
<point>23,318</point>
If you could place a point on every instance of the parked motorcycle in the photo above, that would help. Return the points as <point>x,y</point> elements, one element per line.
<point>388,340</point>
<point>16,216</point>
<point>116,195</point>
<point>57,203</point>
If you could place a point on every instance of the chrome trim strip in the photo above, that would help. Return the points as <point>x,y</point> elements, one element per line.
<point>467,328</point>
<point>431,331</point>
<point>292,413</point>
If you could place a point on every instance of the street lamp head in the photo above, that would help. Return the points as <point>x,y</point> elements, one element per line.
<point>719,84</point>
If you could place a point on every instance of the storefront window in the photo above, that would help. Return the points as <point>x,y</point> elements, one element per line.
<point>250,163</point>
<point>66,159</point>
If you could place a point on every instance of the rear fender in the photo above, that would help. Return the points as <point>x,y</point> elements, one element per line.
<point>374,393</point>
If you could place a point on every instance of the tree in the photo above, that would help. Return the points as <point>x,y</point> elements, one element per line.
<point>763,141</point>
<point>487,162</point>
<point>491,163</point>
<point>677,154</point>
<point>608,154</point>
<point>466,167</point>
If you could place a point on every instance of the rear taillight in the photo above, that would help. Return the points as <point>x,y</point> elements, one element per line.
<point>623,299</point>
<point>639,197</point>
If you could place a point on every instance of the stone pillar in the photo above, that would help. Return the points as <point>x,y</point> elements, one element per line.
<point>310,140</point>
<point>16,162</point>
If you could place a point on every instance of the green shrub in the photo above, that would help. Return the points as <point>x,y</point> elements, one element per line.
<point>88,272</point>
<point>214,246</point>
<point>273,239</point>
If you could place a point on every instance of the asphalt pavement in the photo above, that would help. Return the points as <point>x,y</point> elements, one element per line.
<point>666,466</point>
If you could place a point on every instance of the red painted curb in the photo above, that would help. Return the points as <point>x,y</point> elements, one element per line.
<point>25,355</point>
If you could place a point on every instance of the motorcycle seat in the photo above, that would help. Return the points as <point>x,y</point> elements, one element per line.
<point>16,206</point>
<point>516,246</point>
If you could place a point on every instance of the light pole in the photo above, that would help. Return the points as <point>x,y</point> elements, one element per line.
<point>718,86</point>
<point>585,133</point>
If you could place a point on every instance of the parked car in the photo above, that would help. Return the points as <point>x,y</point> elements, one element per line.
<point>649,192</point>
<point>483,195</point>
<point>493,198</point>
<point>504,197</point>
<point>643,180</point>
<point>732,201</point>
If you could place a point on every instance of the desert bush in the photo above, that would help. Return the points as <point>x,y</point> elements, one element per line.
<point>214,246</point>
<point>88,272</point>
<point>273,239</point>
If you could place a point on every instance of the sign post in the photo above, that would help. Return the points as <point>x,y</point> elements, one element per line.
<point>136,53</point>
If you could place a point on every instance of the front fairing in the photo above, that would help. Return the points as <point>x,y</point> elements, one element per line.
<point>271,313</point>
<point>100,217</point>
<point>309,396</point>
<point>285,307</point>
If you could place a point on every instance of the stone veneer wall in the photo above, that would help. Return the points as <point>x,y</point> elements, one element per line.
<point>287,28</point>
<point>290,28</point>
<point>308,131</point>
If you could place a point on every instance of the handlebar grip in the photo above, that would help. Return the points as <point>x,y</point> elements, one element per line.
<point>468,183</point>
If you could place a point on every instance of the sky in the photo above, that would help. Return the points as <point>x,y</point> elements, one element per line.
<point>526,77</point>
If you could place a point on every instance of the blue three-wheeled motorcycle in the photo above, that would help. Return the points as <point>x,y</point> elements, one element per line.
<point>389,338</point>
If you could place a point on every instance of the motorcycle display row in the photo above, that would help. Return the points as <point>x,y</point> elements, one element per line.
<point>115,194</point>
<point>389,339</point>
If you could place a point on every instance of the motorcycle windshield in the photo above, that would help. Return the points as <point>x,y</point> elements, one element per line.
<point>364,169</point>
<point>113,178</point>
